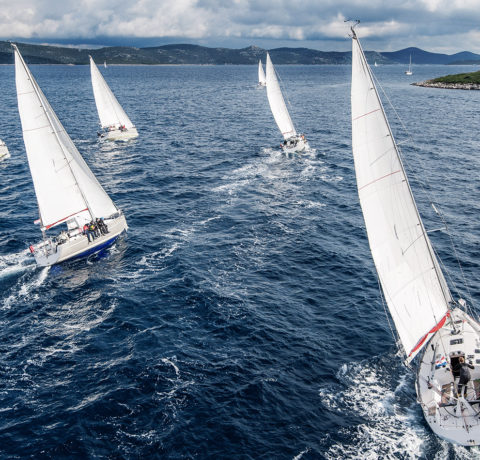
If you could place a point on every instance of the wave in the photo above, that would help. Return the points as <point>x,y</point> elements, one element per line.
<point>387,431</point>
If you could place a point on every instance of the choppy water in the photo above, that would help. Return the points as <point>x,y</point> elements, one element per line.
<point>240,317</point>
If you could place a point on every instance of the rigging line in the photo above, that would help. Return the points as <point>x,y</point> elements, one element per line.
<point>382,298</point>
<point>283,89</point>
<point>427,194</point>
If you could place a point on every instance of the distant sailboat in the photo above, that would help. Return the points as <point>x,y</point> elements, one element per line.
<point>105,64</point>
<point>426,317</point>
<point>261,75</point>
<point>4,153</point>
<point>375,64</point>
<point>293,142</point>
<point>67,191</point>
<point>409,71</point>
<point>113,119</point>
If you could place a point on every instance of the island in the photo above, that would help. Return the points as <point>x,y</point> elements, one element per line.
<point>467,81</point>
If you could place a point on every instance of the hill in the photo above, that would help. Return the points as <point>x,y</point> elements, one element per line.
<point>458,81</point>
<point>195,54</point>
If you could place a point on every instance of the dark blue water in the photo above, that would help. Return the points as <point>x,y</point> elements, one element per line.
<point>240,317</point>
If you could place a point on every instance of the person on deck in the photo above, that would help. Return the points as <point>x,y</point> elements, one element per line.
<point>86,231</point>
<point>465,376</point>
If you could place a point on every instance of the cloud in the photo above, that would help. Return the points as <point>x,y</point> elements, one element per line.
<point>385,25</point>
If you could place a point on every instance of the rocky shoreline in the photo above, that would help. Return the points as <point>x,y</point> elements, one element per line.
<point>430,84</point>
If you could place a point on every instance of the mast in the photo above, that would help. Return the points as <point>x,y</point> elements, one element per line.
<point>277,102</point>
<point>400,246</point>
<point>60,144</point>
<point>64,184</point>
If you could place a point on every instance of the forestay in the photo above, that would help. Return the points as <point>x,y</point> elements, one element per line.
<point>64,185</point>
<point>277,103</point>
<point>261,74</point>
<point>109,110</point>
<point>413,284</point>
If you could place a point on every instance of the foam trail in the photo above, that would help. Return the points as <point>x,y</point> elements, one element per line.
<point>11,264</point>
<point>388,431</point>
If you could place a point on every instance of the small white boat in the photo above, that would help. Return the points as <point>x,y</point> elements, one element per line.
<point>67,191</point>
<point>105,64</point>
<point>427,318</point>
<point>293,142</point>
<point>375,64</point>
<point>409,71</point>
<point>114,121</point>
<point>261,75</point>
<point>4,153</point>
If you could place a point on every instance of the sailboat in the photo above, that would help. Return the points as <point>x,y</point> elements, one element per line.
<point>113,119</point>
<point>4,153</point>
<point>67,191</point>
<point>105,64</point>
<point>261,75</point>
<point>375,64</point>
<point>428,321</point>
<point>409,71</point>
<point>293,142</point>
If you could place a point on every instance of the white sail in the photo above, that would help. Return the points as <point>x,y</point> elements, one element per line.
<point>413,284</point>
<point>64,185</point>
<point>261,74</point>
<point>109,110</point>
<point>277,103</point>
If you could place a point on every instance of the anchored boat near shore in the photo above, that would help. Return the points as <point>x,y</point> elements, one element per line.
<point>67,191</point>
<point>114,121</point>
<point>429,322</point>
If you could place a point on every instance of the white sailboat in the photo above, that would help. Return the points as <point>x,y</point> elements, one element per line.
<point>113,119</point>
<point>426,317</point>
<point>105,64</point>
<point>4,153</point>
<point>409,71</point>
<point>261,75</point>
<point>293,142</point>
<point>67,191</point>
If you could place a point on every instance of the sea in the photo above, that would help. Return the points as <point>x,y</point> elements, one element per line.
<point>240,317</point>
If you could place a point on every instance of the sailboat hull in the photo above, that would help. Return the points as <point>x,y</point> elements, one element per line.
<point>295,144</point>
<point>50,253</point>
<point>118,135</point>
<point>4,153</point>
<point>455,419</point>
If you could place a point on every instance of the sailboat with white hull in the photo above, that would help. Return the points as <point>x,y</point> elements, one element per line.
<point>427,319</point>
<point>261,75</point>
<point>293,142</point>
<point>4,153</point>
<point>114,121</point>
<point>409,71</point>
<point>67,191</point>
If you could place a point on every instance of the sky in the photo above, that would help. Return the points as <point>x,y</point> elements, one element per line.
<point>443,26</point>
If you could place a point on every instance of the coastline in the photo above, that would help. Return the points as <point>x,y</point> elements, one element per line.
<point>464,86</point>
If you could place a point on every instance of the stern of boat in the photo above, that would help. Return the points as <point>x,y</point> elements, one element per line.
<point>452,417</point>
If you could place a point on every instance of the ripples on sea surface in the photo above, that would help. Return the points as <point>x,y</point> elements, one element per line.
<point>240,317</point>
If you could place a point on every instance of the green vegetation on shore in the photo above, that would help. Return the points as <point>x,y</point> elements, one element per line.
<point>460,78</point>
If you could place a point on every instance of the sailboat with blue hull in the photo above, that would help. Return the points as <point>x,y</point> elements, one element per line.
<point>68,193</point>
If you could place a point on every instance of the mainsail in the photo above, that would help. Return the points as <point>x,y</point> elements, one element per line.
<point>64,185</point>
<point>109,110</point>
<point>261,74</point>
<point>277,103</point>
<point>412,281</point>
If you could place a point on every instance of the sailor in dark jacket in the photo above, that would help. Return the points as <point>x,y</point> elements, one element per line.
<point>465,376</point>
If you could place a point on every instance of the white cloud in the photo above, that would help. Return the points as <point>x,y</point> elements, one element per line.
<point>386,24</point>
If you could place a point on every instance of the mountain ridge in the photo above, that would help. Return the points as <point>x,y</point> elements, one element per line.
<point>184,53</point>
